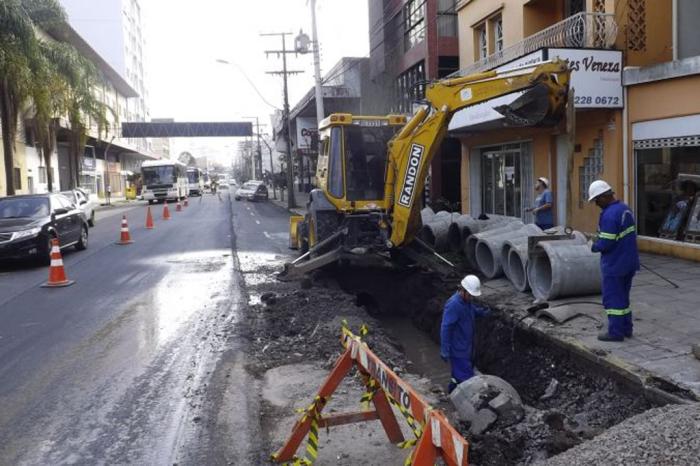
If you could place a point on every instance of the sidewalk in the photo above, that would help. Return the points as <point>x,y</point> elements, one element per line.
<point>666,325</point>
<point>299,197</point>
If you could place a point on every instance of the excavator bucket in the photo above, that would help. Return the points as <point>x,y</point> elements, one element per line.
<point>536,107</point>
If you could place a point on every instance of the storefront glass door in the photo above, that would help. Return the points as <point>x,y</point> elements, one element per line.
<point>502,180</point>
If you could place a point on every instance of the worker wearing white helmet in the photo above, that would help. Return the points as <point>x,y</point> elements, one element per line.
<point>544,215</point>
<point>619,259</point>
<point>457,330</point>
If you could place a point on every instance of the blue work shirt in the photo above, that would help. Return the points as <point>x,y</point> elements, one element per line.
<point>457,330</point>
<point>546,216</point>
<point>617,240</point>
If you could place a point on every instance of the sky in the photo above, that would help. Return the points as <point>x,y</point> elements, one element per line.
<point>184,39</point>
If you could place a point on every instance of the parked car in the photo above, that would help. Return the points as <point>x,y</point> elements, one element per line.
<point>82,200</point>
<point>29,223</point>
<point>252,191</point>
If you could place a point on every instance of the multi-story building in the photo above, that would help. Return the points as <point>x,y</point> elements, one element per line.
<point>625,135</point>
<point>108,160</point>
<point>114,29</point>
<point>413,41</point>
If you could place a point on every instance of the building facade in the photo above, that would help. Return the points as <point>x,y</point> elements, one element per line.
<point>633,67</point>
<point>411,42</point>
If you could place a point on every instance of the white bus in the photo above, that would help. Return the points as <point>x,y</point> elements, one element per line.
<point>164,179</point>
<point>195,178</point>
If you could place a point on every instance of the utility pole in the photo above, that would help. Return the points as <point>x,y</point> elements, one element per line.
<point>317,66</point>
<point>290,161</point>
<point>258,160</point>
<point>272,170</point>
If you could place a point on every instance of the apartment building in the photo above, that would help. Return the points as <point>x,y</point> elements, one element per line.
<point>114,29</point>
<point>411,42</point>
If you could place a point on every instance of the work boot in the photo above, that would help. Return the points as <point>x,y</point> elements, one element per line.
<point>605,336</point>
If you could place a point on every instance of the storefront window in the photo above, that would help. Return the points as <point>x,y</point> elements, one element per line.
<point>502,180</point>
<point>668,179</point>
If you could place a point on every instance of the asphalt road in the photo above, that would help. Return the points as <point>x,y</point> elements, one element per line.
<point>136,363</point>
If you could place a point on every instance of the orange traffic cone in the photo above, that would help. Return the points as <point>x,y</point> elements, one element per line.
<point>186,204</point>
<point>125,237</point>
<point>178,207</point>
<point>57,274</point>
<point>149,219</point>
<point>166,211</point>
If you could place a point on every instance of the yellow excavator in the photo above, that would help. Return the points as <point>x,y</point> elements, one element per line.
<point>371,171</point>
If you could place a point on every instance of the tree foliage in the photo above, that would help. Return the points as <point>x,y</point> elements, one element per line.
<point>45,79</point>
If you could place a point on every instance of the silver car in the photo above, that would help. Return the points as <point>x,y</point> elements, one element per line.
<point>81,199</point>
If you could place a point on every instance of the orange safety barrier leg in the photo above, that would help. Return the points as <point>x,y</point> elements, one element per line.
<point>387,417</point>
<point>301,428</point>
<point>425,453</point>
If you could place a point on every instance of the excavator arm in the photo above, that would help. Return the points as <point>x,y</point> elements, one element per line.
<point>543,102</point>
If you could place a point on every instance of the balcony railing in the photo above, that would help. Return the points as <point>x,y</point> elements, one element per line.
<point>582,30</point>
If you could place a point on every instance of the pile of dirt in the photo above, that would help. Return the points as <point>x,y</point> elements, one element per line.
<point>667,435</point>
<point>289,324</point>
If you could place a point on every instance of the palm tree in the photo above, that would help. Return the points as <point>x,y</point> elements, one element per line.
<point>17,46</point>
<point>23,67</point>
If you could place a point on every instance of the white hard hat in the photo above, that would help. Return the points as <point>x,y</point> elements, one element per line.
<point>597,188</point>
<point>544,180</point>
<point>472,284</point>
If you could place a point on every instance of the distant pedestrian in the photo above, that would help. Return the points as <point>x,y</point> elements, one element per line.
<point>544,215</point>
<point>619,260</point>
<point>108,194</point>
<point>457,330</point>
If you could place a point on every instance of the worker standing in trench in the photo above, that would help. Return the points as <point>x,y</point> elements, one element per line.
<point>619,259</point>
<point>457,330</point>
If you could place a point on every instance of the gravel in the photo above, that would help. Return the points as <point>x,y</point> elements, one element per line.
<point>669,435</point>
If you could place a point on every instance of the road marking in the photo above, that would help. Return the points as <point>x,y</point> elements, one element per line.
<point>258,222</point>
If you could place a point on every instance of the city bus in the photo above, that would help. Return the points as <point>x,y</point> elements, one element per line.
<point>195,179</point>
<point>164,180</point>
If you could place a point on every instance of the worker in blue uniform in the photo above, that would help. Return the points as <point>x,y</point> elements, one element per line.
<point>457,330</point>
<point>619,259</point>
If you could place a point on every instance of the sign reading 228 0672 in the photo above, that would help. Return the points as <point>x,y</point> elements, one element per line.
<point>410,179</point>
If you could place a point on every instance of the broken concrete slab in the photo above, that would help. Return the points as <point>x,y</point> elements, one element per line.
<point>483,419</point>
<point>484,399</point>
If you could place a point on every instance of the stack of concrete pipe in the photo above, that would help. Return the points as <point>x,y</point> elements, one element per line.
<point>434,231</point>
<point>514,260</point>
<point>489,247</point>
<point>564,268</point>
<point>465,225</point>
<point>489,231</point>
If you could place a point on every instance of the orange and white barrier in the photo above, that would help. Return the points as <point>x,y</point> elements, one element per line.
<point>166,211</point>
<point>178,207</point>
<point>57,273</point>
<point>125,236</point>
<point>434,436</point>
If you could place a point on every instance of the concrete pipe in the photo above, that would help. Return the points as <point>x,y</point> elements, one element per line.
<point>566,268</point>
<point>435,232</point>
<point>426,215</point>
<point>466,225</point>
<point>488,249</point>
<point>493,229</point>
<point>514,259</point>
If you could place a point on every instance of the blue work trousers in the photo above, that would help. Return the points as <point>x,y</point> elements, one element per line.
<point>462,370</point>
<point>616,301</point>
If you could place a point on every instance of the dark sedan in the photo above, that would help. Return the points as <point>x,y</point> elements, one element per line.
<point>29,223</point>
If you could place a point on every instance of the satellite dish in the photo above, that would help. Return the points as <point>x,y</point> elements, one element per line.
<point>302,43</point>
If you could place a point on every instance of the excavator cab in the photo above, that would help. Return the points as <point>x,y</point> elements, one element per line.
<point>352,164</point>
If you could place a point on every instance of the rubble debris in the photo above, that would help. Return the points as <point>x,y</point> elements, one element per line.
<point>551,390</point>
<point>484,399</point>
